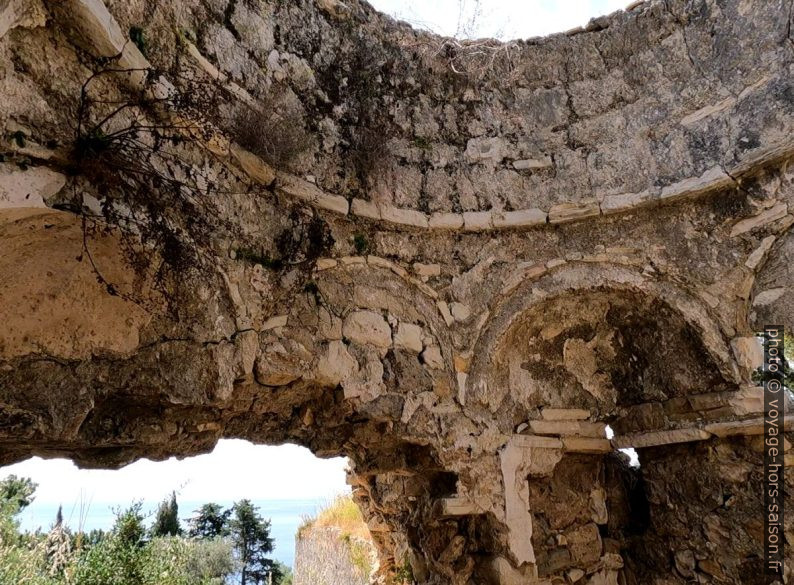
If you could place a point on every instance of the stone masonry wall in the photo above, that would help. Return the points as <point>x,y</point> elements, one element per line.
<point>453,263</point>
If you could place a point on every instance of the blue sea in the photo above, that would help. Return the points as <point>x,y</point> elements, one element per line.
<point>285,516</point>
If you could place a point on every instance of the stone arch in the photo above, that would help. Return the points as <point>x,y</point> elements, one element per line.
<point>353,367</point>
<point>571,279</point>
<point>574,349</point>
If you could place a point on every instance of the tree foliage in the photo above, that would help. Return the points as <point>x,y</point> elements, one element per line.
<point>250,534</point>
<point>16,493</point>
<point>224,547</point>
<point>166,522</point>
<point>210,521</point>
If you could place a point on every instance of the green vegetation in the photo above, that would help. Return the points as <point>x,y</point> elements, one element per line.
<point>404,574</point>
<point>138,37</point>
<point>166,523</point>
<point>344,516</point>
<point>210,521</point>
<point>222,547</point>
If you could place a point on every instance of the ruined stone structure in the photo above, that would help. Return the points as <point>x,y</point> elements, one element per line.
<point>453,263</point>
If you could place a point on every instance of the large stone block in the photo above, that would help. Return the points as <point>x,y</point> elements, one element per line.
<point>367,327</point>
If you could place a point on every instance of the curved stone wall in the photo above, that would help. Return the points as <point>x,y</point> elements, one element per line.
<point>474,258</point>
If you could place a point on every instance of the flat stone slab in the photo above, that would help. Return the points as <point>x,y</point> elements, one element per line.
<point>587,445</point>
<point>536,442</point>
<point>568,427</point>
<point>456,506</point>
<point>655,438</point>
<point>753,426</point>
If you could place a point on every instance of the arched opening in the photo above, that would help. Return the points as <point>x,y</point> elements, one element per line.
<point>571,364</point>
<point>286,484</point>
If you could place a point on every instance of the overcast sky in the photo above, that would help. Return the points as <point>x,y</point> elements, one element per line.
<point>503,19</point>
<point>240,470</point>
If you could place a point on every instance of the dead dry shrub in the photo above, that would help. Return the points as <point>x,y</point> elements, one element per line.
<point>275,132</point>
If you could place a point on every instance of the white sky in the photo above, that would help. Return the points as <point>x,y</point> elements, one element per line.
<point>234,470</point>
<point>503,19</point>
<point>237,469</point>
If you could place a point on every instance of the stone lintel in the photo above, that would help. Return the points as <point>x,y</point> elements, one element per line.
<point>568,427</point>
<point>587,445</point>
<point>655,438</point>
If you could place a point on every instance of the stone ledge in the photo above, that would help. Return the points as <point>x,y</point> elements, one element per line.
<point>619,203</point>
<point>713,179</point>
<point>335,203</point>
<point>568,427</point>
<point>656,438</point>
<point>457,506</point>
<point>99,29</point>
<point>767,216</point>
<point>366,209</point>
<point>252,165</point>
<point>587,445</point>
<point>536,442</point>
<point>298,188</point>
<point>446,221</point>
<point>407,217</point>
<point>477,221</point>
<point>566,212</point>
<point>754,426</point>
<point>520,218</point>
<point>524,271</point>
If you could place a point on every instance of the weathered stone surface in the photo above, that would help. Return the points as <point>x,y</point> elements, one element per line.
<point>653,439</point>
<point>625,201</point>
<point>572,211</point>
<point>520,218</point>
<point>367,327</point>
<point>712,180</point>
<point>586,445</point>
<point>52,280</point>
<point>565,414</point>
<point>407,217</point>
<point>460,312</point>
<point>254,167</point>
<point>754,259</point>
<point>532,164</point>
<point>749,353</point>
<point>336,365</point>
<point>408,336</point>
<point>432,357</point>
<point>765,217</point>
<point>744,427</point>
<point>200,298</point>
<point>446,221</point>
<point>28,188</point>
<point>23,13</point>
<point>366,209</point>
<point>568,427</point>
<point>458,507</point>
<point>477,221</point>
<point>488,150</point>
<point>428,270</point>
